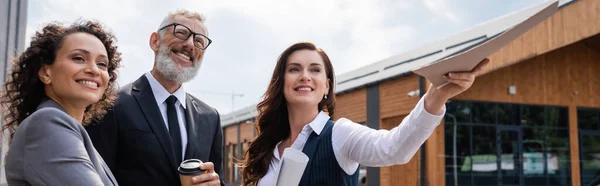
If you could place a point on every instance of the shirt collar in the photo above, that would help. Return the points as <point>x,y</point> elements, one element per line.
<point>316,125</point>
<point>276,151</point>
<point>161,94</point>
<point>319,122</point>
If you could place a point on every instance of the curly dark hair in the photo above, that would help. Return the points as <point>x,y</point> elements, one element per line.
<point>24,91</point>
<point>273,124</point>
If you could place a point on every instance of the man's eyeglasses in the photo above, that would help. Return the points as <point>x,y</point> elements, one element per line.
<point>183,32</point>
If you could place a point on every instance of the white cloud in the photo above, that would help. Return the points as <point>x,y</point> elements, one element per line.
<point>249,35</point>
<point>110,12</point>
<point>368,40</point>
<point>442,8</point>
<point>371,38</point>
<point>352,32</point>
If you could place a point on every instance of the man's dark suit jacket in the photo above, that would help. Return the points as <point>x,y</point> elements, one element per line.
<point>133,140</point>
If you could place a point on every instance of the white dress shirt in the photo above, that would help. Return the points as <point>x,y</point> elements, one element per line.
<point>161,94</point>
<point>355,144</point>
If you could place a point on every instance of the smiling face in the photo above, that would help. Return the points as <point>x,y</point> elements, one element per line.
<point>306,80</point>
<point>177,59</point>
<point>79,73</point>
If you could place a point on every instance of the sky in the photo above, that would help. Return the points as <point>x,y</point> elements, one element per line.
<point>248,36</point>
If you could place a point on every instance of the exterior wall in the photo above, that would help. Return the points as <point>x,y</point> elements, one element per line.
<point>230,134</point>
<point>246,134</point>
<point>564,77</point>
<point>545,74</point>
<point>434,163</point>
<point>352,105</point>
<point>570,24</point>
<point>406,174</point>
<point>394,99</point>
<point>395,104</point>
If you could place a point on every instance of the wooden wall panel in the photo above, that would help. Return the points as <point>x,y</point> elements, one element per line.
<point>574,147</point>
<point>393,96</point>
<point>406,174</point>
<point>562,77</point>
<point>352,105</point>
<point>231,135</point>
<point>247,132</point>
<point>594,80</point>
<point>569,25</point>
<point>435,163</point>
<point>230,165</point>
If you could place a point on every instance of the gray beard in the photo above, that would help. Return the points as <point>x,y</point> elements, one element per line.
<point>173,71</point>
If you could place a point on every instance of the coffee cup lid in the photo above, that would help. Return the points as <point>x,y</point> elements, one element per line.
<point>190,167</point>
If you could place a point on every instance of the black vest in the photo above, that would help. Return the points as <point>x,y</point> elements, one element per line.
<point>323,167</point>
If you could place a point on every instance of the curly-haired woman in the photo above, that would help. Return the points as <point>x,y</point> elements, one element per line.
<point>63,80</point>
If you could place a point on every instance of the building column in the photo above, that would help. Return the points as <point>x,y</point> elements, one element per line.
<point>373,176</point>
<point>574,145</point>
<point>13,22</point>
<point>433,172</point>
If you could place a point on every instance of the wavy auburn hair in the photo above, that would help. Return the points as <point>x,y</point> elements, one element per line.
<point>272,121</point>
<point>24,90</point>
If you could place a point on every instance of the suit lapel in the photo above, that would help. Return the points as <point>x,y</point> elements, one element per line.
<point>199,135</point>
<point>191,116</point>
<point>145,98</point>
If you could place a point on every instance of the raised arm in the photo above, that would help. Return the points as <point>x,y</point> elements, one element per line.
<point>354,143</point>
<point>376,148</point>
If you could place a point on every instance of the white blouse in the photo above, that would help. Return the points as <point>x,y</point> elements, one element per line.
<point>355,144</point>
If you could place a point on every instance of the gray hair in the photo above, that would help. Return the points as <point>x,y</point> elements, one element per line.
<point>181,12</point>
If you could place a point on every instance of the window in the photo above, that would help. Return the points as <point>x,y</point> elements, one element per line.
<point>487,143</point>
<point>588,119</point>
<point>589,140</point>
<point>226,163</point>
<point>237,154</point>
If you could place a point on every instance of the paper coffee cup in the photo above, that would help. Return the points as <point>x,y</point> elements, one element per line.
<point>188,169</point>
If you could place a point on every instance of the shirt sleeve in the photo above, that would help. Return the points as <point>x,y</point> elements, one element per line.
<point>355,144</point>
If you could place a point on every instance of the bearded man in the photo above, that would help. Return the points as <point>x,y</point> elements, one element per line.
<point>155,124</point>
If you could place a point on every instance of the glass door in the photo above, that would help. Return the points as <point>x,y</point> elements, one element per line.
<point>589,149</point>
<point>509,156</point>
